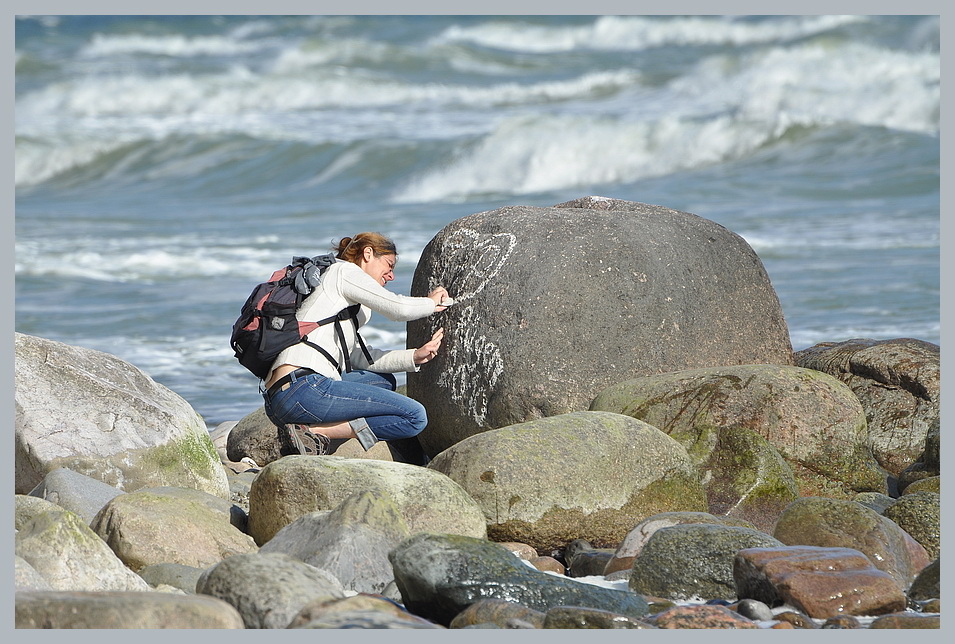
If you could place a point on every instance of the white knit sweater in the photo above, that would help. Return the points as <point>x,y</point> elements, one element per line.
<point>343,285</point>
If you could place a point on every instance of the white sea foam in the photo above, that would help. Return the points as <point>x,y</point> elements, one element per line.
<point>169,45</point>
<point>633,33</point>
<point>809,336</point>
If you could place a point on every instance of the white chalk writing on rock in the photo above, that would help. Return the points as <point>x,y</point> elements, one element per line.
<point>473,363</point>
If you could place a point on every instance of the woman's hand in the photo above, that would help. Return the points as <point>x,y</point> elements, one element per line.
<point>438,295</point>
<point>429,350</point>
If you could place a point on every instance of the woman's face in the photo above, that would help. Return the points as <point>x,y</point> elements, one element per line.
<point>382,267</point>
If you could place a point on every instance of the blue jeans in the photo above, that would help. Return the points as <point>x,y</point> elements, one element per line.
<point>315,399</point>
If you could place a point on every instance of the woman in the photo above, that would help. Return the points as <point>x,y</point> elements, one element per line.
<point>314,401</point>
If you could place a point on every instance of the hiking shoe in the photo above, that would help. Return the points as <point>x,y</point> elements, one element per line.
<point>297,439</point>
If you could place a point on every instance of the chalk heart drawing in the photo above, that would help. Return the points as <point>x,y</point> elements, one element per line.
<point>473,363</point>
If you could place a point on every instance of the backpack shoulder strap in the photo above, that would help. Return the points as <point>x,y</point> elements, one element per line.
<point>347,313</point>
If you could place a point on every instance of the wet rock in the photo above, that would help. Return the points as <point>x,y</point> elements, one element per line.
<point>522,550</point>
<point>821,582</point>
<point>754,609</point>
<point>927,584</point>
<point>796,619</point>
<point>577,617</point>
<point>548,564</point>
<point>690,561</point>
<point>632,545</point>
<point>706,616</point>
<point>359,611</point>
<point>498,612</point>
<point>907,620</point>
<point>841,622</point>
<point>441,575</point>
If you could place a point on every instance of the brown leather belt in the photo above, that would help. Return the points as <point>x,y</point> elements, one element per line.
<point>283,383</point>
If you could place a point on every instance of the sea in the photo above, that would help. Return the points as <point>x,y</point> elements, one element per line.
<point>166,164</point>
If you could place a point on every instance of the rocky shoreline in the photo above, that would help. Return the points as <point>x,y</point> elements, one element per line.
<point>356,540</point>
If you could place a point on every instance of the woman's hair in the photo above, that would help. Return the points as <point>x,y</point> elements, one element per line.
<point>351,248</point>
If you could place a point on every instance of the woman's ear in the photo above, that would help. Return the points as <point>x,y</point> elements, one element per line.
<point>368,253</point>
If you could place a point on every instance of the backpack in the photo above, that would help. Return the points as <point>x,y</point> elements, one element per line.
<point>267,323</point>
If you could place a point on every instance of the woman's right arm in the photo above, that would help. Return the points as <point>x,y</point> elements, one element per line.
<point>359,287</point>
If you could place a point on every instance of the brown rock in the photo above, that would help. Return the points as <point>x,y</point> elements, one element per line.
<point>822,582</point>
<point>497,611</point>
<point>522,550</point>
<point>907,620</point>
<point>897,382</point>
<point>578,617</point>
<point>842,621</point>
<point>702,617</point>
<point>837,523</point>
<point>795,619</point>
<point>548,564</point>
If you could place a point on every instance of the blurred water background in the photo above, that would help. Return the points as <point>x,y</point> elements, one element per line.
<point>166,164</point>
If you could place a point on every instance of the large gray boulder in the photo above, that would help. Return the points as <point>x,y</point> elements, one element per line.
<point>554,304</point>
<point>812,419</point>
<point>268,589</point>
<point>151,526</point>
<point>580,475</point>
<point>898,383</point>
<point>94,414</point>
<point>294,486</point>
<point>352,541</point>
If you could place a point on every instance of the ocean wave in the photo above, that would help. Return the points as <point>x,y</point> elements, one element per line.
<point>147,260</point>
<point>634,33</point>
<point>819,84</point>
<point>241,91</point>
<point>526,155</point>
<point>723,110</point>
